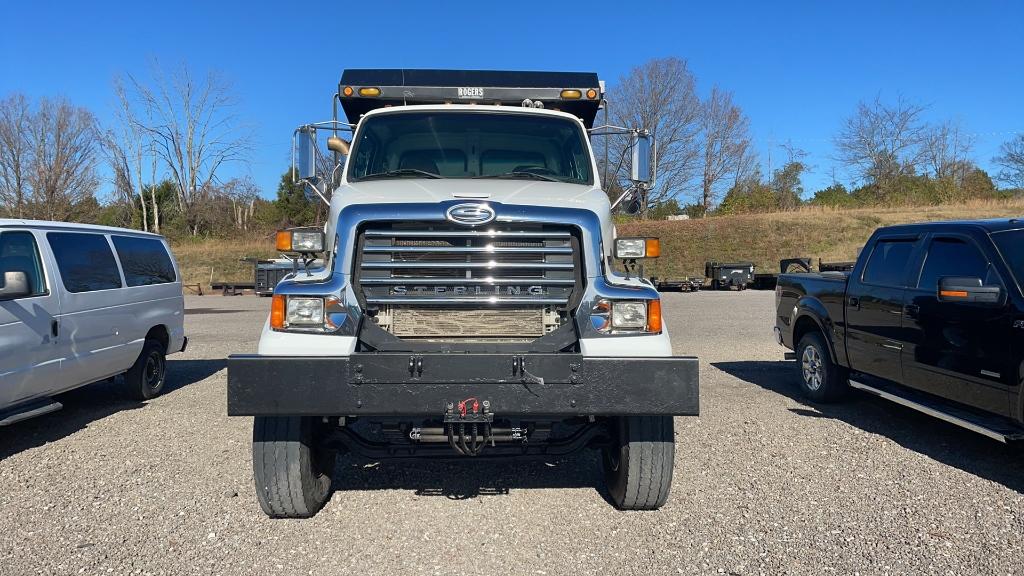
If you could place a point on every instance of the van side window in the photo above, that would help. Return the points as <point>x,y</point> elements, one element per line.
<point>85,261</point>
<point>18,252</point>
<point>954,257</point>
<point>887,265</point>
<point>144,260</point>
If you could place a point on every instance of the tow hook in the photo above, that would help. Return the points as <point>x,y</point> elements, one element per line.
<point>472,415</point>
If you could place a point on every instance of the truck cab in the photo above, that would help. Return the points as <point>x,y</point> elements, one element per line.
<point>467,305</point>
<point>930,317</point>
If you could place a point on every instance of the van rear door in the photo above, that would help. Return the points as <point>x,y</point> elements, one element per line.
<point>31,355</point>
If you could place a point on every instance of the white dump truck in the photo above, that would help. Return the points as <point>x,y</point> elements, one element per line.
<point>468,303</point>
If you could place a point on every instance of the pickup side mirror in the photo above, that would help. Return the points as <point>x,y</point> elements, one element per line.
<point>969,290</point>
<point>15,285</point>
<point>642,166</point>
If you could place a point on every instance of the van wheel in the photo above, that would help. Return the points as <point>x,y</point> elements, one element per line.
<point>638,464</point>
<point>292,473</point>
<point>146,378</point>
<point>820,379</point>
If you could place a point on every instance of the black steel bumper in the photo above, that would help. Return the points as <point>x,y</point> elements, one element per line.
<point>396,384</point>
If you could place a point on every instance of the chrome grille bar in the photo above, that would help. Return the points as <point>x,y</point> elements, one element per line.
<point>463,233</point>
<point>472,265</point>
<point>470,249</point>
<point>470,281</point>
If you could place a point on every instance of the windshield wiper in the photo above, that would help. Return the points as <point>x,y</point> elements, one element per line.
<point>399,173</point>
<point>521,174</point>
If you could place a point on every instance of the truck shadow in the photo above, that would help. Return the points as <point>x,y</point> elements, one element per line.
<point>96,401</point>
<point>939,440</point>
<point>466,479</point>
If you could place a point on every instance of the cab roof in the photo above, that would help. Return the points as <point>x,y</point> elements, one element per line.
<point>989,225</point>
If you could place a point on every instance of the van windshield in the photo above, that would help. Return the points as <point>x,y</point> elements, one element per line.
<point>470,145</point>
<point>1011,245</point>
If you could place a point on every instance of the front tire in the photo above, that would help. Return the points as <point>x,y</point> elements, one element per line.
<point>292,473</point>
<point>821,380</point>
<point>145,379</point>
<point>638,465</point>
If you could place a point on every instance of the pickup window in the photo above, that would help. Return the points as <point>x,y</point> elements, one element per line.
<point>1011,245</point>
<point>887,265</point>
<point>954,257</point>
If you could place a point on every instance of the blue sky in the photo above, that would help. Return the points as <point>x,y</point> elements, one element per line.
<point>796,68</point>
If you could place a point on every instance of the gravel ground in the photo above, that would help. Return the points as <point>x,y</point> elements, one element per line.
<point>764,483</point>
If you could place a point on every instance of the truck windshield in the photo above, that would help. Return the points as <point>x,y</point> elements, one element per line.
<point>470,145</point>
<point>1011,245</point>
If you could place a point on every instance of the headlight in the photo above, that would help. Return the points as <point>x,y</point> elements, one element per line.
<point>305,312</point>
<point>303,241</point>
<point>632,248</point>
<point>629,314</point>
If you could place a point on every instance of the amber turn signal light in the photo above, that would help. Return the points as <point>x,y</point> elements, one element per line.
<point>654,316</point>
<point>277,309</point>
<point>283,241</point>
<point>653,246</point>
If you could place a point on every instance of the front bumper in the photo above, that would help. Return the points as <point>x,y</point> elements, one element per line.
<point>422,385</point>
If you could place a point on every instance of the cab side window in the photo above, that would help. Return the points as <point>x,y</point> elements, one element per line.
<point>85,261</point>
<point>18,252</point>
<point>955,257</point>
<point>887,265</point>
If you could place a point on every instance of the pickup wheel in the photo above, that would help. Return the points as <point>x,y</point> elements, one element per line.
<point>292,473</point>
<point>638,464</point>
<point>821,380</point>
<point>146,378</point>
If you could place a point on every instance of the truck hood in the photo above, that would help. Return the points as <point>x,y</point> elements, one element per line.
<point>508,192</point>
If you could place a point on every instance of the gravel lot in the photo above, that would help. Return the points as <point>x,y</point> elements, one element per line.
<point>764,483</point>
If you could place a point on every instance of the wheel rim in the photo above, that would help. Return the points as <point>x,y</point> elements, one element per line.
<point>813,370</point>
<point>153,372</point>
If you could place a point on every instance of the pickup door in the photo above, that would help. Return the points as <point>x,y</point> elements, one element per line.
<point>959,350</point>
<point>874,306</point>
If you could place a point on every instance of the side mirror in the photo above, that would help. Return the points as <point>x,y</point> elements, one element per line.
<point>306,157</point>
<point>15,285</point>
<point>642,169</point>
<point>970,290</point>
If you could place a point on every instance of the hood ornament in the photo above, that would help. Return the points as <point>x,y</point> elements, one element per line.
<point>470,214</point>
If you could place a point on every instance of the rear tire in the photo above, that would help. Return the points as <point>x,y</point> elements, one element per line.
<point>638,465</point>
<point>821,380</point>
<point>146,378</point>
<point>292,473</point>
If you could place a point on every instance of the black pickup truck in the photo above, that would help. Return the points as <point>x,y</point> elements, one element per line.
<point>931,317</point>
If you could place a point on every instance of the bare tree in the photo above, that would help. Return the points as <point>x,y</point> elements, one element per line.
<point>125,148</point>
<point>194,133</point>
<point>946,151</point>
<point>878,143</point>
<point>1011,162</point>
<point>660,96</point>
<point>63,144</point>
<point>15,154</point>
<point>243,193</point>
<point>725,142</point>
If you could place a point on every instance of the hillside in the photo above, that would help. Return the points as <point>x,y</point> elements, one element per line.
<point>834,235</point>
<point>763,238</point>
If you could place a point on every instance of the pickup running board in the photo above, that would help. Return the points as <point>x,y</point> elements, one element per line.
<point>991,426</point>
<point>30,410</point>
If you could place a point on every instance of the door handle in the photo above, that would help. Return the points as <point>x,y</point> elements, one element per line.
<point>54,328</point>
<point>855,302</point>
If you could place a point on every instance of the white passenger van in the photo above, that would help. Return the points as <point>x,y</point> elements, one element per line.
<point>79,304</point>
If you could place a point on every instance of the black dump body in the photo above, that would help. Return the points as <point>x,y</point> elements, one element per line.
<point>725,275</point>
<point>400,87</point>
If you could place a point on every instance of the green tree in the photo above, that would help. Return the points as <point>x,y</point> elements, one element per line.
<point>294,206</point>
<point>835,196</point>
